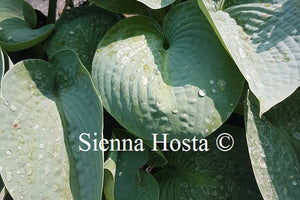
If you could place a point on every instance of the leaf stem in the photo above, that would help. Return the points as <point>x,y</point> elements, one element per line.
<point>51,12</point>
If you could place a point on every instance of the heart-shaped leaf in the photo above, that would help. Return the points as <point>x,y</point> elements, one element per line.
<point>122,6</point>
<point>188,89</point>
<point>81,29</point>
<point>264,41</point>
<point>274,146</point>
<point>210,175</point>
<point>46,106</point>
<point>17,20</point>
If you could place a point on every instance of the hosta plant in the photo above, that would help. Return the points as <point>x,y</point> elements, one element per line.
<point>164,78</point>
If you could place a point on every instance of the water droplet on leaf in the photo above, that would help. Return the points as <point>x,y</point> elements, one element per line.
<point>5,102</point>
<point>8,152</point>
<point>202,93</point>
<point>125,60</point>
<point>55,187</point>
<point>175,111</point>
<point>211,82</point>
<point>36,127</point>
<point>221,85</point>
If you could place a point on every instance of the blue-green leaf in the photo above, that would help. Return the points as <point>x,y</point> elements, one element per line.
<point>264,41</point>
<point>189,88</point>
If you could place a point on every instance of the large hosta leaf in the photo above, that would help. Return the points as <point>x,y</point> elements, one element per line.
<point>274,147</point>
<point>81,29</point>
<point>264,41</point>
<point>189,89</point>
<point>17,20</point>
<point>122,6</point>
<point>45,108</point>
<point>210,175</point>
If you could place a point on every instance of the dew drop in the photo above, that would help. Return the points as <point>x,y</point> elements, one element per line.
<point>231,104</point>
<point>120,173</point>
<point>202,93</point>
<point>5,102</point>
<point>211,82</point>
<point>41,146</point>
<point>28,169</point>
<point>9,38</point>
<point>157,72</point>
<point>221,85</point>
<point>36,127</point>
<point>1,168</point>
<point>40,157</point>
<point>13,108</point>
<point>1,28</point>
<point>175,111</point>
<point>71,32</point>
<point>55,187</point>
<point>8,152</point>
<point>125,60</point>
<point>158,103</point>
<point>214,91</point>
<point>294,183</point>
<point>63,173</point>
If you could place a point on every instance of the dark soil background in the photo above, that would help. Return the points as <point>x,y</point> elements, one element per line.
<point>42,5</point>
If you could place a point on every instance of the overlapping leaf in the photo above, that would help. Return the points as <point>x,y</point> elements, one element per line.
<point>81,29</point>
<point>274,147</point>
<point>17,22</point>
<point>124,177</point>
<point>2,66</point>
<point>156,4</point>
<point>264,41</point>
<point>2,187</point>
<point>187,89</point>
<point>122,6</point>
<point>210,175</point>
<point>45,107</point>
